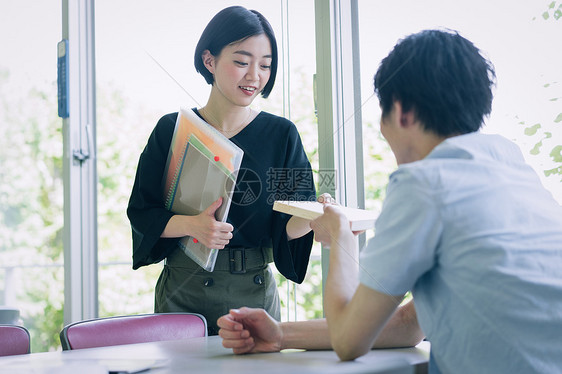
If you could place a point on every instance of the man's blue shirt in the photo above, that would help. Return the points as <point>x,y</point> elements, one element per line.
<point>475,236</point>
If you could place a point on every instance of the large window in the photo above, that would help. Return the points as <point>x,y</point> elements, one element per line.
<point>521,40</point>
<point>144,69</point>
<point>31,197</point>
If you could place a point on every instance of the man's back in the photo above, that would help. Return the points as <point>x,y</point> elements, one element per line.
<point>499,262</point>
<point>489,285</point>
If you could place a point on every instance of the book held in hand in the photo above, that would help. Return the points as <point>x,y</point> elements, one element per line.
<point>360,219</point>
<point>202,166</point>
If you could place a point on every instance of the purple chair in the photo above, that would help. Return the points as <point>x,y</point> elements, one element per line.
<point>14,340</point>
<point>103,332</point>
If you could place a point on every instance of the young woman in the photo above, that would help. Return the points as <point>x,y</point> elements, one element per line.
<point>237,56</point>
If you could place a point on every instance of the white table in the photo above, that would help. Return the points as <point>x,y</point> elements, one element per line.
<point>207,355</point>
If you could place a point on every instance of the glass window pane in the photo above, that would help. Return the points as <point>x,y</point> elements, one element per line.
<point>144,69</point>
<point>31,189</point>
<point>518,38</point>
<point>302,301</point>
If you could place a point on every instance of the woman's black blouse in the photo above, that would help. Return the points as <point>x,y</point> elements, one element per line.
<point>274,167</point>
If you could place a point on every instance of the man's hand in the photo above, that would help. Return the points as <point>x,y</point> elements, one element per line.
<point>249,330</point>
<point>329,225</point>
<point>298,227</point>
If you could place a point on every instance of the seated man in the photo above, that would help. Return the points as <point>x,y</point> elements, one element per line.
<point>466,226</point>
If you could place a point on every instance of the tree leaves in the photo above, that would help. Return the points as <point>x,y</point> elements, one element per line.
<point>556,12</point>
<point>556,153</point>
<point>530,131</point>
<point>536,149</point>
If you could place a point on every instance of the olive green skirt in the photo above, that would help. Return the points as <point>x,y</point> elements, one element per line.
<point>183,286</point>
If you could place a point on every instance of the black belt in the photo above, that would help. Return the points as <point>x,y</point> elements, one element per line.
<point>238,259</point>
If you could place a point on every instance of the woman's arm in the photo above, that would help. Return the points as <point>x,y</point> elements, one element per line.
<point>297,227</point>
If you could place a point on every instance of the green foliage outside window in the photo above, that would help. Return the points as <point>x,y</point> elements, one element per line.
<point>553,11</point>
<point>542,133</point>
<point>31,201</point>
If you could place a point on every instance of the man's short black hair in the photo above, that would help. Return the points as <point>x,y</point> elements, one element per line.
<point>230,25</point>
<point>442,77</point>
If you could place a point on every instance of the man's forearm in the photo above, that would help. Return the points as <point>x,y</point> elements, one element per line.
<point>402,330</point>
<point>343,275</point>
<point>311,335</point>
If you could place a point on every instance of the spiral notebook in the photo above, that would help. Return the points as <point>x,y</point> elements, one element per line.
<point>202,166</point>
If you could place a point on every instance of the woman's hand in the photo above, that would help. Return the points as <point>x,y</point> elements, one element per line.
<point>210,232</point>
<point>326,198</point>
<point>202,227</point>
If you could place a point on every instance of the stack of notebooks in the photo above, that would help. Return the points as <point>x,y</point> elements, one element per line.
<point>202,166</point>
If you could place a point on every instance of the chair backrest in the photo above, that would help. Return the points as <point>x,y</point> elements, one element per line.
<point>14,340</point>
<point>103,332</point>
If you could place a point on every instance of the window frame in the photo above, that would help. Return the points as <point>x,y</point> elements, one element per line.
<point>79,165</point>
<point>338,102</point>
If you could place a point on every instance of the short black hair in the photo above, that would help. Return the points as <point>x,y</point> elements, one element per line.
<point>230,25</point>
<point>442,77</point>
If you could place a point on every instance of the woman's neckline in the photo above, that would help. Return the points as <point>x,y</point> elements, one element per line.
<point>224,133</point>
